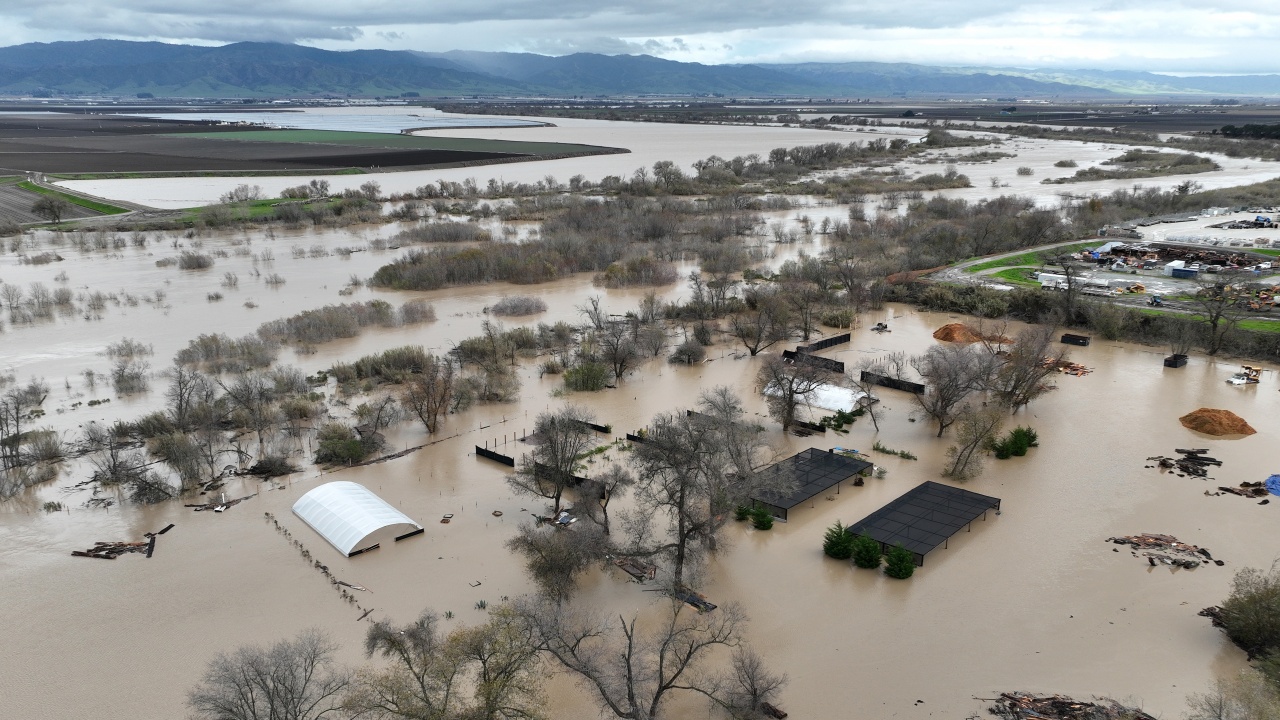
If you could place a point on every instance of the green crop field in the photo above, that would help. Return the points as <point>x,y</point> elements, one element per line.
<point>1016,276</point>
<point>403,142</point>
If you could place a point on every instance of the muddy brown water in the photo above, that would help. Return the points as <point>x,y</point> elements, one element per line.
<point>1032,599</point>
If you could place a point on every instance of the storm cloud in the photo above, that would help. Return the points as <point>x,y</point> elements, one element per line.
<point>1155,35</point>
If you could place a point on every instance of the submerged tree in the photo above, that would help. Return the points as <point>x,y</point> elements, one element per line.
<point>429,394</point>
<point>563,437</point>
<point>694,469</point>
<point>950,372</point>
<point>1023,370</point>
<point>788,385</point>
<point>294,679</point>
<point>555,556</point>
<point>977,429</point>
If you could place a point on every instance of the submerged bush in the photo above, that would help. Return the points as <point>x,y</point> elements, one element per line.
<point>899,563</point>
<point>338,444</point>
<point>221,353</point>
<point>587,377</point>
<point>518,305</point>
<point>1016,443</point>
<point>761,519</point>
<point>838,543</point>
<point>865,552</point>
<point>190,260</point>
<point>689,352</point>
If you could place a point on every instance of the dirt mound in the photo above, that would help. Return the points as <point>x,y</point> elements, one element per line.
<point>1216,422</point>
<point>961,333</point>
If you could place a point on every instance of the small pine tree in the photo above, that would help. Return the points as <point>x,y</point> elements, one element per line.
<point>761,519</point>
<point>741,513</point>
<point>866,552</point>
<point>838,543</point>
<point>899,563</point>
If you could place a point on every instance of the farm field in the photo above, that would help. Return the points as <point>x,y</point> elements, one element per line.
<point>75,146</point>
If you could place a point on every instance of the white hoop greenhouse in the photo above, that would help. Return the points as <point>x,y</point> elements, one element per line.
<point>352,518</point>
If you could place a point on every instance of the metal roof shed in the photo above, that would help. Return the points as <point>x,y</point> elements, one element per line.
<point>809,473</point>
<point>352,518</point>
<point>924,517</point>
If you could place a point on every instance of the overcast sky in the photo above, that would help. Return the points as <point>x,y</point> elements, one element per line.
<point>1205,36</point>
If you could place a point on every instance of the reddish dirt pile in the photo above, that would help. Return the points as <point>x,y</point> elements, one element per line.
<point>1216,422</point>
<point>961,333</point>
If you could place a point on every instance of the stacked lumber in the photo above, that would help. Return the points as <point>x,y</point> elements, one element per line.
<point>1192,462</point>
<point>1025,706</point>
<point>637,569</point>
<point>1066,367</point>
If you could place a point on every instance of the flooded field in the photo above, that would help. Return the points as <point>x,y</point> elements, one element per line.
<point>1031,599</point>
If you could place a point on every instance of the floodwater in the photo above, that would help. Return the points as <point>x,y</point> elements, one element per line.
<point>1033,599</point>
<point>389,119</point>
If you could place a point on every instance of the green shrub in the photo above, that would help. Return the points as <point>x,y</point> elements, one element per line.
<point>1016,443</point>
<point>338,445</point>
<point>905,455</point>
<point>741,513</point>
<point>838,319</point>
<point>588,377</point>
<point>866,552</point>
<point>899,563</point>
<point>761,519</point>
<point>838,543</point>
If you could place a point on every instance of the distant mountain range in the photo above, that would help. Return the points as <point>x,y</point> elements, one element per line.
<point>263,70</point>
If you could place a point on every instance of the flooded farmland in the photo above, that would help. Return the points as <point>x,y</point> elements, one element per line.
<point>1030,599</point>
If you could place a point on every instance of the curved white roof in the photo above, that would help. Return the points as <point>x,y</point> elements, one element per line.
<point>351,517</point>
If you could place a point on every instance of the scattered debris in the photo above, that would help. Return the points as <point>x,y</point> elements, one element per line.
<point>112,550</point>
<point>364,615</point>
<point>1246,489</point>
<point>1192,462</point>
<point>1066,367</point>
<point>447,517</point>
<point>497,513</point>
<point>340,585</point>
<point>638,569</point>
<point>879,328</point>
<point>1166,550</point>
<point>772,711</point>
<point>352,586</point>
<point>1024,706</point>
<point>220,505</point>
<point>1216,422</point>
<point>695,599</point>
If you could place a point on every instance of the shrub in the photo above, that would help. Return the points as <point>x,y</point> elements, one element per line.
<point>689,352</point>
<point>338,445</point>
<point>417,311</point>
<point>589,377</point>
<point>838,543</point>
<point>1065,163</point>
<point>865,552</point>
<point>190,260</point>
<point>1251,614</point>
<point>551,367</point>
<point>1016,443</point>
<point>761,519</point>
<point>838,319</point>
<point>899,563</point>
<point>272,466</point>
<point>518,305</point>
<point>1025,171</point>
<point>444,232</point>
<point>741,513</point>
<point>52,506</point>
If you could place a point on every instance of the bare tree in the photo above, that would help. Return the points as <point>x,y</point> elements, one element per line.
<point>563,437</point>
<point>1022,372</point>
<point>632,671</point>
<point>787,386</point>
<point>749,685</point>
<point>482,672</point>
<point>429,395</point>
<point>594,313</point>
<point>805,300</point>
<point>617,348</point>
<point>693,469</point>
<point>51,208</point>
<point>866,386</point>
<point>596,493</point>
<point>951,373</point>
<point>1218,304</point>
<point>253,395</point>
<point>764,323</point>
<point>977,428</point>
<point>184,384</point>
<point>294,679</point>
<point>1247,696</point>
<point>652,338</point>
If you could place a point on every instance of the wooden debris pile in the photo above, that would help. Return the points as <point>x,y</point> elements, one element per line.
<point>1025,706</point>
<point>112,550</point>
<point>1193,462</point>
<point>1166,550</point>
<point>1066,367</point>
<point>637,569</point>
<point>1246,489</point>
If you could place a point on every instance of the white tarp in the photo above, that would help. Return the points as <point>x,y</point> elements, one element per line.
<point>829,397</point>
<point>351,517</point>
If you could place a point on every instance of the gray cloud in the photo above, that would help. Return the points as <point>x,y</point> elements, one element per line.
<point>1210,35</point>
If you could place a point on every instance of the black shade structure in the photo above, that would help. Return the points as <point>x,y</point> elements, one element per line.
<point>924,518</point>
<point>814,471</point>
